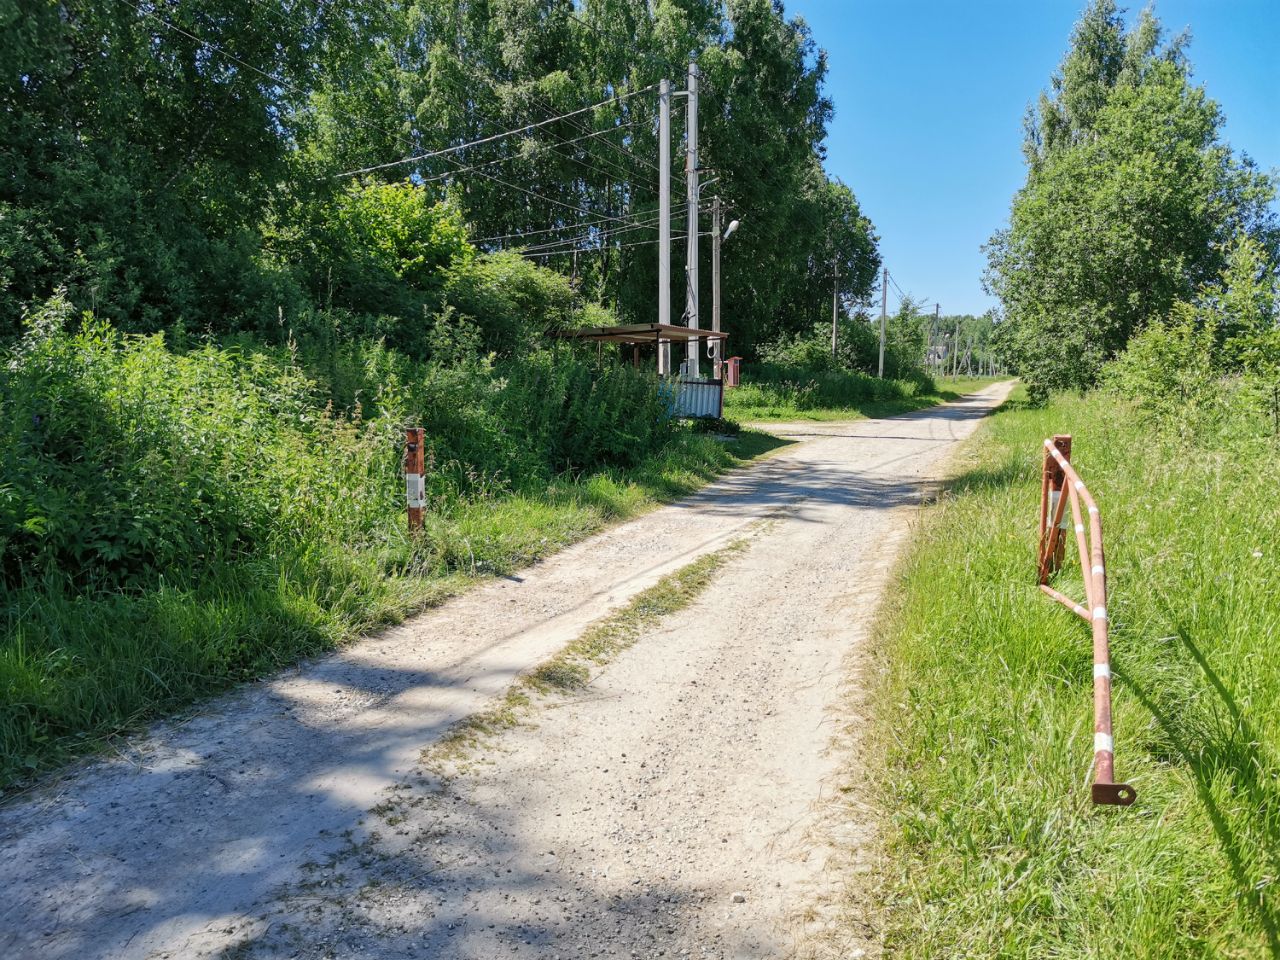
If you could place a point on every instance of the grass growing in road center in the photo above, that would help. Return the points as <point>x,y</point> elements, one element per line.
<point>984,715</point>
<point>570,669</point>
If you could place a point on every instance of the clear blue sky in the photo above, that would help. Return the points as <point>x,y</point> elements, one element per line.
<point>929,97</point>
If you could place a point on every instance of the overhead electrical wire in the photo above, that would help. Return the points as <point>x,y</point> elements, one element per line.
<point>600,237</point>
<point>572,117</point>
<point>493,81</point>
<point>902,294</point>
<point>447,153</point>
<point>508,159</point>
<point>603,234</point>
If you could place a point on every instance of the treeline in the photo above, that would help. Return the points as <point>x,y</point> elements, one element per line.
<point>224,166</point>
<point>1135,216</point>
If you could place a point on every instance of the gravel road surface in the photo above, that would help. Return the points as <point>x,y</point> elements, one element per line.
<point>689,802</point>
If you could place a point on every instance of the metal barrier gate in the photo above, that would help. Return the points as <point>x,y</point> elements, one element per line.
<point>1060,476</point>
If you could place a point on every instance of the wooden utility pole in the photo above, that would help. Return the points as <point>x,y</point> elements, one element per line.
<point>884,311</point>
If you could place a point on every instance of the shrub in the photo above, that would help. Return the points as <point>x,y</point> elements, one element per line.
<point>510,299</point>
<point>124,462</point>
<point>1168,370</point>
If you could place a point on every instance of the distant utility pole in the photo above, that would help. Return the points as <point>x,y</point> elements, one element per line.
<point>884,312</point>
<point>955,363</point>
<point>835,302</point>
<point>691,181</point>
<point>937,322</point>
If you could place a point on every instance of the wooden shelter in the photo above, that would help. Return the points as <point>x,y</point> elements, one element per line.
<point>641,334</point>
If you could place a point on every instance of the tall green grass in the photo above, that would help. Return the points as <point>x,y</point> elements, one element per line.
<point>174,521</point>
<point>984,713</point>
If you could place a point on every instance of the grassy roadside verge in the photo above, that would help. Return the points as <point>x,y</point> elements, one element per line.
<point>78,670</point>
<point>763,403</point>
<point>984,710</point>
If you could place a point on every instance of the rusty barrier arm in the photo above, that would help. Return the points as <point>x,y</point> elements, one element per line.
<point>1061,478</point>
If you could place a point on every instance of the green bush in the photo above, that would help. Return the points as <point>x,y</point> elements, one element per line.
<point>512,300</point>
<point>1210,359</point>
<point>770,385</point>
<point>124,462</point>
<point>808,357</point>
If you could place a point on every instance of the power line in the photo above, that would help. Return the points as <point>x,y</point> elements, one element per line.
<point>902,295</point>
<point>213,46</point>
<point>515,156</point>
<point>448,151</point>
<point>578,124</point>
<point>494,81</point>
<point>534,252</point>
<point>601,235</point>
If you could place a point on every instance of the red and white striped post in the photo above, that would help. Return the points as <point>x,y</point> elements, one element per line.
<point>415,487</point>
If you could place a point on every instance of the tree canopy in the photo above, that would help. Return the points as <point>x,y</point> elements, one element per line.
<point>1132,202</point>
<point>196,162</point>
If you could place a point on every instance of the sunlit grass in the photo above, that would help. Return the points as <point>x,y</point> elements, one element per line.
<point>984,712</point>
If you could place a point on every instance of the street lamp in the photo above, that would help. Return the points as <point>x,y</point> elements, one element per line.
<point>716,238</point>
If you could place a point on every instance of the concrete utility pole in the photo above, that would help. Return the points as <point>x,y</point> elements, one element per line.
<point>937,324</point>
<point>955,365</point>
<point>835,302</point>
<point>691,182</point>
<point>717,238</point>
<point>884,311</point>
<point>715,276</point>
<point>664,217</point>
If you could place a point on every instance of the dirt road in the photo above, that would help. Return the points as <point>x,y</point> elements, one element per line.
<point>685,803</point>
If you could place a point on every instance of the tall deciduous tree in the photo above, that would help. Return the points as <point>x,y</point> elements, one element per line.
<point>170,161</point>
<point>1130,203</point>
